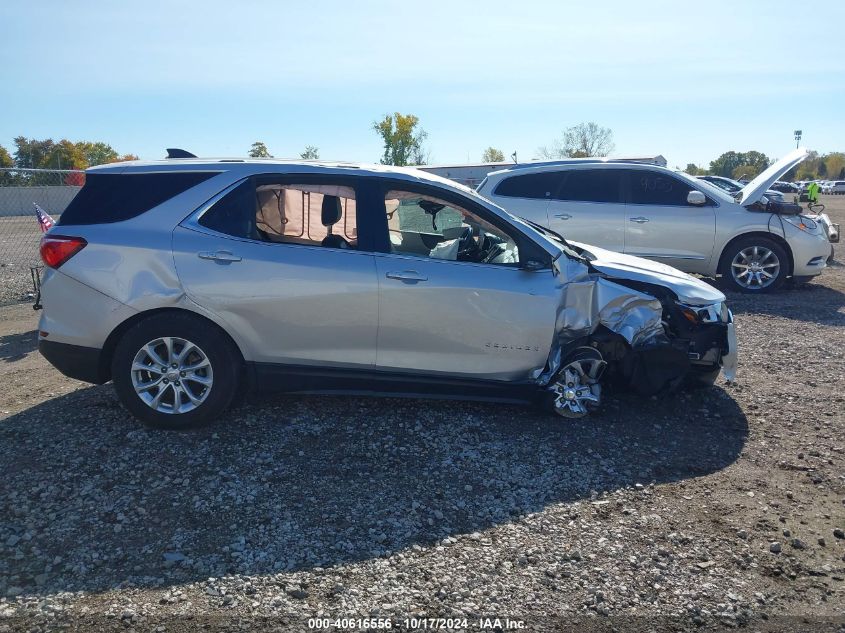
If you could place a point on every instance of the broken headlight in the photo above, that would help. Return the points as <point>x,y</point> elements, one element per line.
<point>713,313</point>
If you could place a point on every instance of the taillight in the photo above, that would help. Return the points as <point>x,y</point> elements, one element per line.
<point>57,249</point>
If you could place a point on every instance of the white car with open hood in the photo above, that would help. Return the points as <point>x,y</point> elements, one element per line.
<point>648,211</point>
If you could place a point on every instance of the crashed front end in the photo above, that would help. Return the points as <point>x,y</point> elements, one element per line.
<point>633,330</point>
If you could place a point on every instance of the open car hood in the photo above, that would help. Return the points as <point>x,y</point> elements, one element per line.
<point>754,190</point>
<point>620,266</point>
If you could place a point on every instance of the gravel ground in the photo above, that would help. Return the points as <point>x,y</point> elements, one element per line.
<point>710,509</point>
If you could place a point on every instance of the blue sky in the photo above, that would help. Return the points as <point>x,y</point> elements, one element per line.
<point>686,80</point>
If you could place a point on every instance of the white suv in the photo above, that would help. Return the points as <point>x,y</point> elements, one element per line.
<point>657,213</point>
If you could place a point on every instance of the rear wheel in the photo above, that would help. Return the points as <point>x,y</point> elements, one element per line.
<point>175,371</point>
<point>754,264</point>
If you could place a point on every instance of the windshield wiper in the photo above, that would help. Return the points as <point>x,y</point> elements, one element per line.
<point>567,247</point>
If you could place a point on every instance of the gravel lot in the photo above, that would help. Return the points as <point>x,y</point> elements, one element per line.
<point>709,509</point>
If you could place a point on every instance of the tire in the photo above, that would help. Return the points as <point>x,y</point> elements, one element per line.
<point>202,385</point>
<point>742,253</point>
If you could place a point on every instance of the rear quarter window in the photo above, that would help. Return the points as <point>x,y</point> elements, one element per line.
<point>107,198</point>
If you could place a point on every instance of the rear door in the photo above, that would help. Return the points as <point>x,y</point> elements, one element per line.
<point>255,257</point>
<point>663,226</point>
<point>587,206</point>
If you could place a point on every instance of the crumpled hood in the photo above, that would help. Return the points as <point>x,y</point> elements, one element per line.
<point>620,266</point>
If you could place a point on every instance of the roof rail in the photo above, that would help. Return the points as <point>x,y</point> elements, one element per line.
<point>175,152</point>
<point>647,160</point>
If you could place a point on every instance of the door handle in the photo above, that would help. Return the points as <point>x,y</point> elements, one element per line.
<point>563,216</point>
<point>407,275</point>
<point>219,256</point>
<point>639,220</point>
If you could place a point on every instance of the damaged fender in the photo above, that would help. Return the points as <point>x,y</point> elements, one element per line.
<point>588,300</point>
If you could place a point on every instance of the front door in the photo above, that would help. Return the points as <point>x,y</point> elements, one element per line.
<point>663,226</point>
<point>280,263</point>
<point>453,299</point>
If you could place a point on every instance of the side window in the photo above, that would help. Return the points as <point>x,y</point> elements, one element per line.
<point>232,214</point>
<point>312,215</point>
<point>658,189</point>
<point>115,197</point>
<point>537,186</point>
<point>590,185</point>
<point>427,226</point>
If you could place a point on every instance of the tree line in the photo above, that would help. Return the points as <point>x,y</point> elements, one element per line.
<point>739,165</point>
<point>403,142</point>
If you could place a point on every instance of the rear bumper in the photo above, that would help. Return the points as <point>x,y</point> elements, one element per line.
<point>74,361</point>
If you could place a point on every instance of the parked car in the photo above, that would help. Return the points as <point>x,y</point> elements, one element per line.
<point>653,212</point>
<point>837,187</point>
<point>180,279</point>
<point>733,187</point>
<point>785,187</point>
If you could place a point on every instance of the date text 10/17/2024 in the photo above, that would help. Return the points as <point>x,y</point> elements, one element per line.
<point>444,624</point>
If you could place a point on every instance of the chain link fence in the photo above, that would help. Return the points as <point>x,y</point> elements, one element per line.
<point>20,232</point>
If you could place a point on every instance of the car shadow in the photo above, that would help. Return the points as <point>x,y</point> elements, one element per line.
<point>16,346</point>
<point>92,501</point>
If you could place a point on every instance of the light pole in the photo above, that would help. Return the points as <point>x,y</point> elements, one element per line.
<point>797,138</point>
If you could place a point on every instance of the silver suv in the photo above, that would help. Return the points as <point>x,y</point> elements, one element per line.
<point>187,281</point>
<point>650,211</point>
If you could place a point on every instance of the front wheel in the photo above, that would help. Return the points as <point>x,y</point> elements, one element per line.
<point>175,371</point>
<point>754,264</point>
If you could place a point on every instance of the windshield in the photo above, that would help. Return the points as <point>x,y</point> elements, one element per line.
<point>709,188</point>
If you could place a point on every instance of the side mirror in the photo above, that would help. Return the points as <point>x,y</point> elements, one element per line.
<point>532,264</point>
<point>696,198</point>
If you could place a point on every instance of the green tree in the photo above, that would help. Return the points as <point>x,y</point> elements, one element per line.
<point>745,172</point>
<point>821,170</point>
<point>403,139</point>
<point>259,150</point>
<point>32,153</point>
<point>492,155</point>
<point>728,163</point>
<point>835,164</point>
<point>694,170</point>
<point>6,158</point>
<point>97,153</point>
<point>6,161</point>
<point>65,155</point>
<point>581,141</point>
<point>310,153</point>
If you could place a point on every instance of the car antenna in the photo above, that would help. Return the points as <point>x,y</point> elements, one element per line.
<point>175,152</point>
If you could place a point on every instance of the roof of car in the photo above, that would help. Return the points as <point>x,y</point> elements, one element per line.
<point>255,165</point>
<point>569,163</point>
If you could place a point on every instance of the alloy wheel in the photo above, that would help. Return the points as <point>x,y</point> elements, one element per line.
<point>172,375</point>
<point>577,389</point>
<point>755,267</point>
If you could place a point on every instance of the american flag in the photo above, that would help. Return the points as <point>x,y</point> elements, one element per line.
<point>44,219</point>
